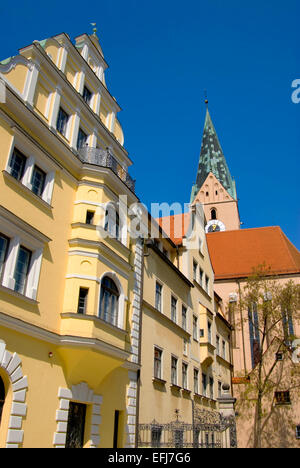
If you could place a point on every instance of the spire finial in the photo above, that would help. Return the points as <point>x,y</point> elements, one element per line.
<point>94,28</point>
<point>206,100</point>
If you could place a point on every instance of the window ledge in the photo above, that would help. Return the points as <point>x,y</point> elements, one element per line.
<point>26,190</point>
<point>94,318</point>
<point>186,390</point>
<point>175,387</point>
<point>159,381</point>
<point>18,295</point>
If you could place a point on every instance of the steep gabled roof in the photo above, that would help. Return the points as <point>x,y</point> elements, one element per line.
<point>212,160</point>
<point>234,254</point>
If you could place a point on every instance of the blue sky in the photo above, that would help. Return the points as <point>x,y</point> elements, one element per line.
<point>162,56</point>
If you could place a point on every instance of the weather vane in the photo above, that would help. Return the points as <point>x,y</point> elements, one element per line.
<point>94,28</point>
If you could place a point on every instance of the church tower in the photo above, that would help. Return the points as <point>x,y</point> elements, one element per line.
<point>214,187</point>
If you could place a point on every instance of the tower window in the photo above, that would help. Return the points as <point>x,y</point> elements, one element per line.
<point>207,194</point>
<point>89,217</point>
<point>109,299</point>
<point>213,214</point>
<point>82,300</point>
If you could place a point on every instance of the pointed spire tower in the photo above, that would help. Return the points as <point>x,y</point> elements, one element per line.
<point>214,187</point>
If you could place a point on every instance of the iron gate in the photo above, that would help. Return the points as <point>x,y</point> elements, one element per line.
<point>209,430</point>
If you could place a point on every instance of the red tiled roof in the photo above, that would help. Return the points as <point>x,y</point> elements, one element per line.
<point>234,254</point>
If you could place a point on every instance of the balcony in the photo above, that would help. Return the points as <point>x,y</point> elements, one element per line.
<point>104,158</point>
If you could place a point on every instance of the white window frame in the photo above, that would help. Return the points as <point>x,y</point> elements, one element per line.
<point>121,301</point>
<point>184,363</point>
<point>21,234</point>
<point>161,362</point>
<point>35,157</point>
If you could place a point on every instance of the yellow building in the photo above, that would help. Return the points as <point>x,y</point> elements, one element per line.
<point>80,365</point>
<point>68,352</point>
<point>186,357</point>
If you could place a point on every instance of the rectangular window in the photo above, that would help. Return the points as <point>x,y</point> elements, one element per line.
<point>298,432</point>
<point>4,242</point>
<point>82,300</point>
<point>22,269</point>
<point>219,389</point>
<point>174,362</point>
<point>282,398</point>
<point>89,217</point>
<point>76,425</point>
<point>207,284</point>
<point>204,384</point>
<point>17,164</point>
<point>195,267</point>
<point>184,375</point>
<point>288,326</point>
<point>81,139</point>
<point>195,327</point>
<point>62,122</point>
<point>157,363</point>
<point>201,277</point>
<point>211,387</point>
<point>184,313</point>
<point>38,181</point>
<point>87,95</point>
<point>209,331</point>
<point>223,349</point>
<point>218,344</point>
<point>158,291</point>
<point>173,309</point>
<point>196,381</point>
<point>254,334</point>
<point>185,347</point>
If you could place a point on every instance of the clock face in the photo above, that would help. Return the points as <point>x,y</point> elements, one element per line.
<point>214,225</point>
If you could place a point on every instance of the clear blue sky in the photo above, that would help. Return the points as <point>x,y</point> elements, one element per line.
<point>162,56</point>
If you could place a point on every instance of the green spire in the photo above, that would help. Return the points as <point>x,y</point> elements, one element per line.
<point>212,160</point>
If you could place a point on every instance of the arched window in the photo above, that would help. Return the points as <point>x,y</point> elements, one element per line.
<point>2,397</point>
<point>213,214</point>
<point>112,221</point>
<point>109,299</point>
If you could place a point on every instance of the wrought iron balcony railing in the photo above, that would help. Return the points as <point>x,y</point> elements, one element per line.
<point>104,158</point>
